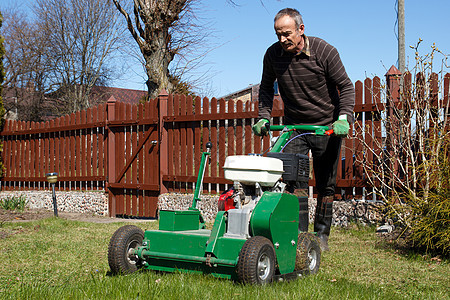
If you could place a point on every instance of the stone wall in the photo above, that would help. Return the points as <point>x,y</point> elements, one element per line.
<point>177,201</point>
<point>364,212</point>
<point>94,202</point>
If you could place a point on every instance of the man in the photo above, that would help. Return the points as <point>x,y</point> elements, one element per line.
<point>316,90</point>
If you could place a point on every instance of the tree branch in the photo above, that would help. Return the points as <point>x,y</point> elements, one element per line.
<point>130,25</point>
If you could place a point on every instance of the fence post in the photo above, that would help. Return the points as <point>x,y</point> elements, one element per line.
<point>393,77</point>
<point>111,156</point>
<point>163,99</point>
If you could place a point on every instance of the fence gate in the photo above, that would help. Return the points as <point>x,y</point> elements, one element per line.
<point>133,155</point>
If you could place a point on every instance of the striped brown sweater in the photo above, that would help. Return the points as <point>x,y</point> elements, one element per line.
<point>308,84</point>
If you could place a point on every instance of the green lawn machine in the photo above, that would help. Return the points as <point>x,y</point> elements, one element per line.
<point>255,237</point>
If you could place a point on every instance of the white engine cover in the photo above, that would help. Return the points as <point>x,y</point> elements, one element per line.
<point>249,169</point>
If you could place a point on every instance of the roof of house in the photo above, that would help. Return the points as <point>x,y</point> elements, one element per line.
<point>247,90</point>
<point>16,98</point>
<point>101,94</point>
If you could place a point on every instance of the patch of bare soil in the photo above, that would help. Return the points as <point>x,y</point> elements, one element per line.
<point>37,214</point>
<point>397,239</point>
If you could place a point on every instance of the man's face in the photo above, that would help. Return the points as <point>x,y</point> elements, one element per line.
<point>289,36</point>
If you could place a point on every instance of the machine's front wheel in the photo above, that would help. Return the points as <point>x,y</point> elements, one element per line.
<point>121,257</point>
<point>308,253</point>
<point>256,263</point>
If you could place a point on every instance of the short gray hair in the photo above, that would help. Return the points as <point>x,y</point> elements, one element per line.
<point>291,12</point>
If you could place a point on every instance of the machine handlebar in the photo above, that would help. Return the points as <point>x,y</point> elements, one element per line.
<point>316,129</point>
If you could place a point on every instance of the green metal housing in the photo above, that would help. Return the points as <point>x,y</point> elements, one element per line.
<point>182,243</point>
<point>200,250</point>
<point>178,245</point>
<point>276,218</point>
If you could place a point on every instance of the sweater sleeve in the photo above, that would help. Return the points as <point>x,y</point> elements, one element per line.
<point>266,91</point>
<point>338,76</point>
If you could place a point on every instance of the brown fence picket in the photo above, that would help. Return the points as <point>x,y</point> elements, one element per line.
<point>213,139</point>
<point>182,154</point>
<point>26,157</point>
<point>12,166</point>
<point>205,139</point>
<point>96,141</point>
<point>197,133</point>
<point>169,126</point>
<point>256,139</point>
<point>82,136</point>
<point>368,127</point>
<point>128,152</point>
<point>72,146</point>
<point>239,128</point>
<point>134,166</point>
<point>222,140</point>
<point>119,145</point>
<point>140,134</point>
<point>231,134</point>
<point>22,150</point>
<point>57,145</point>
<point>78,149</point>
<point>190,140</point>
<point>248,129</point>
<point>377,125</point>
<point>147,162</point>
<point>176,141</point>
<point>89,152</point>
<point>6,153</point>
<point>358,143</point>
<point>67,148</point>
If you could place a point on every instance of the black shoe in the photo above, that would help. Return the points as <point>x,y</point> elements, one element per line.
<point>324,243</point>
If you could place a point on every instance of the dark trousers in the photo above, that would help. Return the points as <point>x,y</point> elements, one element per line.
<point>326,156</point>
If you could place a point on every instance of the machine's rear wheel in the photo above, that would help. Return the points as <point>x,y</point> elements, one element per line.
<point>256,263</point>
<point>308,253</point>
<point>121,247</point>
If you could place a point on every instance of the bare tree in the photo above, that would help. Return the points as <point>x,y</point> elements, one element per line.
<point>417,131</point>
<point>66,49</point>
<point>82,37</point>
<point>27,70</point>
<point>164,30</point>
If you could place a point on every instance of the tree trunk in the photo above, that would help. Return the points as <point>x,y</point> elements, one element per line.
<point>157,66</point>
<point>153,19</point>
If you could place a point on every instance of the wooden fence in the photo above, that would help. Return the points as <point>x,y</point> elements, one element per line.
<point>136,152</point>
<point>74,146</point>
<point>96,149</point>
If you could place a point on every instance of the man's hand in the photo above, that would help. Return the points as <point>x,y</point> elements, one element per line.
<point>260,127</point>
<point>341,126</point>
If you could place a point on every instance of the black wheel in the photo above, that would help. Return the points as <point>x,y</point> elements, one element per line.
<point>308,253</point>
<point>121,258</point>
<point>256,264</point>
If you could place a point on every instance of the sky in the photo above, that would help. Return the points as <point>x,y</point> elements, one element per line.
<point>364,33</point>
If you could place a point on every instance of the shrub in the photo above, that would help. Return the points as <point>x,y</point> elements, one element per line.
<point>411,174</point>
<point>14,203</point>
<point>430,214</point>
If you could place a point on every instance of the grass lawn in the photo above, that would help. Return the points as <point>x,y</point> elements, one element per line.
<point>61,259</point>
